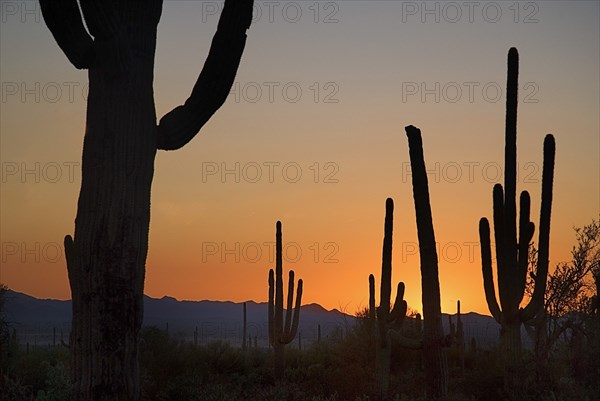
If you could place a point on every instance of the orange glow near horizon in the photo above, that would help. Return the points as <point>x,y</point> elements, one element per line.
<point>324,168</point>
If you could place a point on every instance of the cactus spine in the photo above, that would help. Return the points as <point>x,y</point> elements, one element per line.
<point>435,362</point>
<point>280,332</point>
<point>511,254</point>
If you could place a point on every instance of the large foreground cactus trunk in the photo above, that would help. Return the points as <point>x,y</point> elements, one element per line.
<point>435,361</point>
<point>106,258</point>
<point>512,253</point>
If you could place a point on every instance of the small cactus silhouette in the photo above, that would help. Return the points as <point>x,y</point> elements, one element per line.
<point>388,321</point>
<point>280,332</point>
<point>244,345</point>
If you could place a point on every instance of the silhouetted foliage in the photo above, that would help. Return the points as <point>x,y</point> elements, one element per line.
<point>568,317</point>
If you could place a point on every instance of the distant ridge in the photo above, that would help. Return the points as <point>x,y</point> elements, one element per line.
<point>35,318</point>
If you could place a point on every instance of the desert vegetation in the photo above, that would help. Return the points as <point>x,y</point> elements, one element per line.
<point>388,353</point>
<point>335,368</point>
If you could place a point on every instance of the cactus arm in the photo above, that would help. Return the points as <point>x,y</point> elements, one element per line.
<point>294,330</point>
<point>181,124</point>
<point>290,303</point>
<point>537,299</point>
<point>71,264</point>
<point>271,307</point>
<point>64,22</point>
<point>397,323</point>
<point>525,235</point>
<point>503,258</point>
<point>398,311</point>
<point>372,311</point>
<point>486,268</point>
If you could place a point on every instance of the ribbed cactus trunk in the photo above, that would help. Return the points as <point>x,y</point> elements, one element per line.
<point>106,258</point>
<point>541,350</point>
<point>436,365</point>
<point>106,261</point>
<point>512,253</point>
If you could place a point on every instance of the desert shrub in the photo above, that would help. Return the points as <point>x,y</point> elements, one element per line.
<point>58,384</point>
<point>14,389</point>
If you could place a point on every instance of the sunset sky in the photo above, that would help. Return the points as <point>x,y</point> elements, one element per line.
<point>313,135</point>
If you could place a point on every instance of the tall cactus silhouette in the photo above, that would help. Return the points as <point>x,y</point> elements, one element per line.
<point>460,340</point>
<point>388,320</point>
<point>106,258</point>
<point>280,332</point>
<point>435,362</point>
<point>512,253</point>
<point>244,344</point>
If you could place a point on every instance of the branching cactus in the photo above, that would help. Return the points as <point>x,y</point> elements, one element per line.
<point>116,42</point>
<point>388,321</point>
<point>435,362</point>
<point>512,254</point>
<point>282,332</point>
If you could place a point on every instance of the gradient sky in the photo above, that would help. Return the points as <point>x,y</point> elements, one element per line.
<point>325,90</point>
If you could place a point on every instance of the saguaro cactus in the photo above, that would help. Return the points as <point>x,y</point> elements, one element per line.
<point>244,345</point>
<point>387,320</point>
<point>435,362</point>
<point>460,339</point>
<point>372,311</point>
<point>512,254</point>
<point>106,258</point>
<point>280,332</point>
<point>457,337</point>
